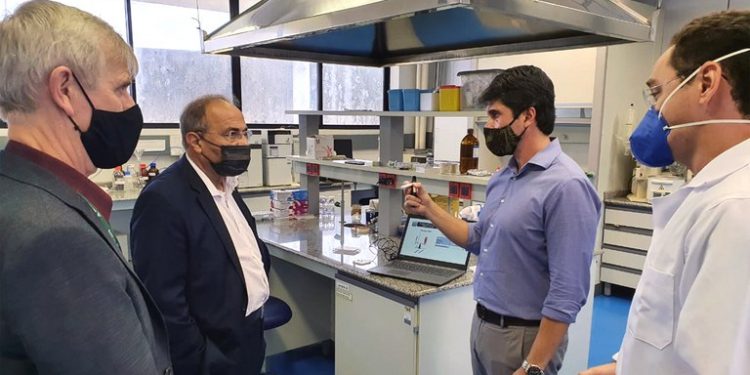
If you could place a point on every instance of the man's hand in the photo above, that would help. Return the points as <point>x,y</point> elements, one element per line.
<point>519,372</point>
<point>421,204</point>
<point>608,369</point>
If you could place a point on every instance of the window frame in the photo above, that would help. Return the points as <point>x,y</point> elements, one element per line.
<point>236,79</point>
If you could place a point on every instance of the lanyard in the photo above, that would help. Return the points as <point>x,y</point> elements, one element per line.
<point>104,223</point>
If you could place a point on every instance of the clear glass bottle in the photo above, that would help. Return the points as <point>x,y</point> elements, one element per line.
<point>469,152</point>
<point>118,183</point>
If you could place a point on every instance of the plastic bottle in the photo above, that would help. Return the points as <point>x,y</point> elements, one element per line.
<point>128,180</point>
<point>469,152</point>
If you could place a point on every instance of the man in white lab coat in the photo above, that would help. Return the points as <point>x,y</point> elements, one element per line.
<point>690,310</point>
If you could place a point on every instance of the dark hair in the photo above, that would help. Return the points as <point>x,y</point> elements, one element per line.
<point>710,37</point>
<point>193,116</point>
<point>520,88</point>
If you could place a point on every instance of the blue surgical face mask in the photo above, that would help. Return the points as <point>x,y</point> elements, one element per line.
<point>649,140</point>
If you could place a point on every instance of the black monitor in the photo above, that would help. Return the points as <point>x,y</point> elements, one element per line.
<point>343,147</point>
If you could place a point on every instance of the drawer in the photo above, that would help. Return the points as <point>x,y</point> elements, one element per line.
<point>626,239</point>
<point>620,277</point>
<point>625,218</point>
<point>624,258</point>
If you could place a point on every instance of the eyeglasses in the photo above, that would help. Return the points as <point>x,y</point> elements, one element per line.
<point>232,135</point>
<point>650,93</point>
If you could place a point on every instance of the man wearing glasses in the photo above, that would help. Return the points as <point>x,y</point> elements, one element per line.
<point>691,309</point>
<point>195,246</point>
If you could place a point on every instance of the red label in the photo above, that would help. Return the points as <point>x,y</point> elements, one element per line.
<point>465,191</point>
<point>387,180</point>
<point>313,169</point>
<point>453,190</point>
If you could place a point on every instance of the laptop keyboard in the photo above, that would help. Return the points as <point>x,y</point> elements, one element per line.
<point>416,267</point>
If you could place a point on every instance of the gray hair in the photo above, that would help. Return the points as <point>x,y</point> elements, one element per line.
<point>42,35</point>
<point>193,117</point>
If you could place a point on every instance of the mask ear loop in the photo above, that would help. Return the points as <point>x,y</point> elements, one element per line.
<point>683,83</point>
<point>693,74</point>
<point>85,95</point>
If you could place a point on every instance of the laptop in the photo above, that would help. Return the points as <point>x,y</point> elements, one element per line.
<point>425,255</point>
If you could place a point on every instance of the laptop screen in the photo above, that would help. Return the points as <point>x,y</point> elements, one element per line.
<point>425,241</point>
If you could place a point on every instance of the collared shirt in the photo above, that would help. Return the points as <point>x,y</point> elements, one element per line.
<point>690,311</point>
<point>535,238</point>
<point>243,238</point>
<point>67,174</point>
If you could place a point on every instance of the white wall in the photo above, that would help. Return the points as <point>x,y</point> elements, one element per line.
<point>679,12</point>
<point>571,71</point>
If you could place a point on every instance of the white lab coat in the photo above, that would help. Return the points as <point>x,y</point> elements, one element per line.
<point>690,312</point>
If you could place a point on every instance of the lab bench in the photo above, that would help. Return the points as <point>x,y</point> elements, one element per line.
<point>379,324</point>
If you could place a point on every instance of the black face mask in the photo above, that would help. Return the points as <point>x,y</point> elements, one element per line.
<point>234,159</point>
<point>502,141</point>
<point>112,136</point>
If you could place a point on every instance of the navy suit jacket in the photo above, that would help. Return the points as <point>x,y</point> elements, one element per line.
<point>184,254</point>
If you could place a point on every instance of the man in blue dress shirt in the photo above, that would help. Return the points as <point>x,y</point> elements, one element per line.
<point>535,235</point>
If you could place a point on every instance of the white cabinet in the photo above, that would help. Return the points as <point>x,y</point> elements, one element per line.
<point>382,333</point>
<point>375,334</point>
<point>625,242</point>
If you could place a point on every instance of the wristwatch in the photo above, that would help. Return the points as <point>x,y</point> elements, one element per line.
<point>531,369</point>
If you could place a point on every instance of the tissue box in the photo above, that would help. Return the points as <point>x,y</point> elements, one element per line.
<point>320,146</point>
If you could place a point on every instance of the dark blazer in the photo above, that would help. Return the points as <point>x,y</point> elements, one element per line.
<point>184,254</point>
<point>69,303</point>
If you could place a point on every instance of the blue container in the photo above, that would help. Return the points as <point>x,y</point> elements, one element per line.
<point>411,99</point>
<point>396,100</point>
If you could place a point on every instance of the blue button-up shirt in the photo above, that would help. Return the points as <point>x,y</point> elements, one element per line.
<point>535,238</point>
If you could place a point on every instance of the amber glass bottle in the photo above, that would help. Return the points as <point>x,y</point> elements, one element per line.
<point>469,152</point>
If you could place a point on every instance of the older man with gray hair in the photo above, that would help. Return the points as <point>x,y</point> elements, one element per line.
<point>69,303</point>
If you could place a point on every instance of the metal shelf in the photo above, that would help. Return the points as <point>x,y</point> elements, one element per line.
<point>435,183</point>
<point>481,116</point>
<point>389,113</point>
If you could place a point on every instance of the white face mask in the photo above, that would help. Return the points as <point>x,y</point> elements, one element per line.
<point>706,122</point>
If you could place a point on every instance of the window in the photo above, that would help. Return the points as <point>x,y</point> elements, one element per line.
<point>173,71</point>
<point>352,88</point>
<point>111,11</point>
<point>270,87</point>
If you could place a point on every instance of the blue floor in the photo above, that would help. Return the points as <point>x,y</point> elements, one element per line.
<point>608,325</point>
<point>311,360</point>
<point>607,329</point>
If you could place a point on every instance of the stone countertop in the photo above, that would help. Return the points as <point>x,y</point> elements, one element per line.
<point>625,202</point>
<point>316,239</point>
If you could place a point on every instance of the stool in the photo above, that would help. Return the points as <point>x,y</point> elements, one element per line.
<point>276,313</point>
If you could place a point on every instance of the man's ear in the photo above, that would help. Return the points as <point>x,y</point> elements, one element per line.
<point>530,115</point>
<point>192,142</point>
<point>710,81</point>
<point>60,84</point>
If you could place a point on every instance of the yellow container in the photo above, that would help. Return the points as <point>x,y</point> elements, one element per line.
<point>450,98</point>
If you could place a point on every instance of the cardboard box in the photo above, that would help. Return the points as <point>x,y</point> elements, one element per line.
<point>319,147</point>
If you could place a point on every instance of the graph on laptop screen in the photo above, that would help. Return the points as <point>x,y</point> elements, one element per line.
<point>423,240</point>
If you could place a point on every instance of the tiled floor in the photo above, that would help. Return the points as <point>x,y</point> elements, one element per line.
<point>608,327</point>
